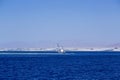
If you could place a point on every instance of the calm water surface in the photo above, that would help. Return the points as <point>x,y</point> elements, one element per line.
<point>104,66</point>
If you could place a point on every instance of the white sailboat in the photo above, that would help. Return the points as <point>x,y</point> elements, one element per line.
<point>60,49</point>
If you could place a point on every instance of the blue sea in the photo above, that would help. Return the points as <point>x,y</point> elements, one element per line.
<point>76,66</point>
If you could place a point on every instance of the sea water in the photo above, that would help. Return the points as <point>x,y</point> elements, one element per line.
<point>80,66</point>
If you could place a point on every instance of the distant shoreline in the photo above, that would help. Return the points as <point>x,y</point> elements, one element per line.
<point>55,51</point>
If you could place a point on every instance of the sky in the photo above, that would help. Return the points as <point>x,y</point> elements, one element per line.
<point>72,23</point>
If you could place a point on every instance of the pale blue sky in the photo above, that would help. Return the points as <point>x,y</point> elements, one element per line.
<point>37,23</point>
